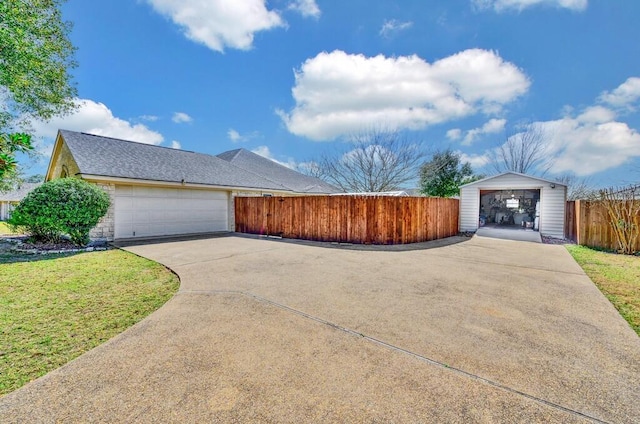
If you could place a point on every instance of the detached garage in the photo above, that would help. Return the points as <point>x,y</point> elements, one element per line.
<point>513,200</point>
<point>159,191</point>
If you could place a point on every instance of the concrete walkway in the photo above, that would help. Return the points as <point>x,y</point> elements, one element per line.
<point>483,330</point>
<point>510,234</point>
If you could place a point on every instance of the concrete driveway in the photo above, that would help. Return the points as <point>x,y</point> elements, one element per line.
<point>473,330</point>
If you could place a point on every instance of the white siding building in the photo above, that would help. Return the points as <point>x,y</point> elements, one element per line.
<point>488,198</point>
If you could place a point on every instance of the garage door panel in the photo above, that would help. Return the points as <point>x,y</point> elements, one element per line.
<point>174,215</point>
<point>124,190</point>
<point>124,204</point>
<point>124,218</point>
<point>152,211</point>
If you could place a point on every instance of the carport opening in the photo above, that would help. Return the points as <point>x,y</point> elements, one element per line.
<point>510,209</point>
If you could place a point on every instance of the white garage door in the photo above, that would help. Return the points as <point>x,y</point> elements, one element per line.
<point>150,211</point>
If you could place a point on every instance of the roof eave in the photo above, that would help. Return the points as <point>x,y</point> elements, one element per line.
<point>140,181</point>
<point>54,153</point>
<point>514,173</point>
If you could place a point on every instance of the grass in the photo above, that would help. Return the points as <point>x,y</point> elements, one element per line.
<point>617,277</point>
<point>54,308</point>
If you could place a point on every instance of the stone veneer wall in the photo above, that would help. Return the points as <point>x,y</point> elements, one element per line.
<point>64,159</point>
<point>231,211</point>
<point>105,229</point>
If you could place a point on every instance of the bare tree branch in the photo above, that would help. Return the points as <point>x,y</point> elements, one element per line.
<point>525,152</point>
<point>623,213</point>
<point>578,188</point>
<point>376,160</point>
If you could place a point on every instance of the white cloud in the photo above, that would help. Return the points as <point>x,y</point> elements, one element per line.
<point>266,153</point>
<point>393,26</point>
<point>96,118</point>
<point>588,141</point>
<point>596,115</point>
<point>519,5</point>
<point>477,161</point>
<point>454,134</point>
<point>181,118</point>
<point>307,8</point>
<point>150,118</point>
<point>493,126</point>
<point>624,95</point>
<point>338,93</point>
<point>176,145</point>
<point>594,139</point>
<point>220,23</point>
<point>585,146</point>
<point>236,137</point>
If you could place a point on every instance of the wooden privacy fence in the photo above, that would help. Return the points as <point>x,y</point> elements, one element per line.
<point>587,223</point>
<point>350,219</point>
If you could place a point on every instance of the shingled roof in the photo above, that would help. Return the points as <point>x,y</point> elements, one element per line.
<point>110,157</point>
<point>293,180</point>
<point>18,193</point>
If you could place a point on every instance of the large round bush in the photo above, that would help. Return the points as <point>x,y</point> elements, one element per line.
<point>67,206</point>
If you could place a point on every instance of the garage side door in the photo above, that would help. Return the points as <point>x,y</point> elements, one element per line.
<point>151,211</point>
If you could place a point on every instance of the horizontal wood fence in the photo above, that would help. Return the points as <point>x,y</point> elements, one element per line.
<point>586,223</point>
<point>349,219</point>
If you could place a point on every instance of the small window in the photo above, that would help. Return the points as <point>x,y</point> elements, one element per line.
<point>513,203</point>
<point>65,172</point>
<point>267,195</point>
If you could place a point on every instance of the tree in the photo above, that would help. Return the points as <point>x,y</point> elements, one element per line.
<point>10,144</point>
<point>68,206</point>
<point>35,178</point>
<point>443,175</point>
<point>36,56</point>
<point>578,188</point>
<point>376,160</point>
<point>622,206</point>
<point>525,152</point>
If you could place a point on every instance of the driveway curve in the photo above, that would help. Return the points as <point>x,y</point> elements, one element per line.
<point>479,330</point>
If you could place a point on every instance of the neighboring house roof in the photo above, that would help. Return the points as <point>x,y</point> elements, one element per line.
<point>19,193</point>
<point>110,157</point>
<point>413,191</point>
<point>513,173</point>
<point>397,193</point>
<point>277,173</point>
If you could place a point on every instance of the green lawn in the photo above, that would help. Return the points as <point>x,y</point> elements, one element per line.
<point>54,308</point>
<point>617,277</point>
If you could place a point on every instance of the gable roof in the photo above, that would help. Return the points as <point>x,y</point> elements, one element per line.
<point>18,193</point>
<point>275,172</point>
<point>544,180</point>
<point>111,157</point>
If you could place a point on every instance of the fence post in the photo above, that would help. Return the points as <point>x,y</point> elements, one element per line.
<point>578,221</point>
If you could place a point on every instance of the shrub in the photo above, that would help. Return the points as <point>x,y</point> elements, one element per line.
<point>67,206</point>
<point>623,213</point>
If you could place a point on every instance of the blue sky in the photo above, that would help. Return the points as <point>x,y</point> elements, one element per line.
<point>290,79</point>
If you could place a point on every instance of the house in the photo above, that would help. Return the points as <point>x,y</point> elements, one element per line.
<point>11,198</point>
<point>293,180</point>
<point>160,191</point>
<point>514,200</point>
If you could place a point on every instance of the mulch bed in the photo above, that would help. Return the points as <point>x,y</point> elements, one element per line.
<point>553,240</point>
<point>22,244</point>
<point>62,245</point>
